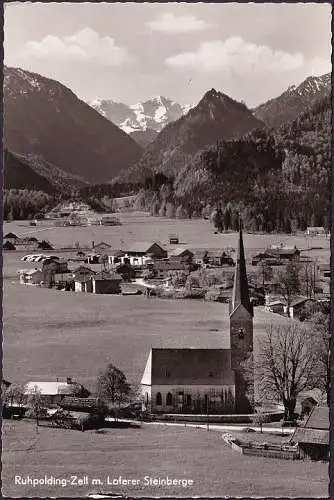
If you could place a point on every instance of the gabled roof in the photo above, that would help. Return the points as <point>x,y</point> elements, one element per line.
<point>316,428</point>
<point>143,246</point>
<point>178,252</point>
<point>102,243</point>
<point>10,236</point>
<point>107,276</point>
<point>298,301</point>
<point>83,270</point>
<point>187,366</point>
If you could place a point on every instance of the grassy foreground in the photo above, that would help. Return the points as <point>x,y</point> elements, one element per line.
<point>155,451</point>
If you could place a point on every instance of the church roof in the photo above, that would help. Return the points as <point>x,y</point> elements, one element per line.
<point>188,366</point>
<point>240,294</point>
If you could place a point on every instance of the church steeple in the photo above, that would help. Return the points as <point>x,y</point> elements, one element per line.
<point>240,295</point>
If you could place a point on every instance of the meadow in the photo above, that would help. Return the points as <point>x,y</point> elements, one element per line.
<point>155,451</point>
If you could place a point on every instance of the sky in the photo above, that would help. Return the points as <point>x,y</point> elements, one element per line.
<point>131,52</point>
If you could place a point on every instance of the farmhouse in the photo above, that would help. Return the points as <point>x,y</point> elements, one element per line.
<point>11,237</point>
<point>206,380</point>
<point>316,231</point>
<point>148,249</point>
<point>115,257</point>
<point>101,247</point>
<point>8,245</point>
<point>297,306</point>
<point>26,244</point>
<point>162,268</point>
<point>31,276</point>
<point>183,255</point>
<point>313,438</point>
<point>104,282</point>
<point>54,392</point>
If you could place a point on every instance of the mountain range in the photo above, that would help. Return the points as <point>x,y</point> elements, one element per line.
<point>144,120</point>
<point>46,120</point>
<point>293,101</point>
<point>66,141</point>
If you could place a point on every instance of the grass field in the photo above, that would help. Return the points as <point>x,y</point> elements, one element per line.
<point>178,453</point>
<point>195,233</point>
<point>50,333</point>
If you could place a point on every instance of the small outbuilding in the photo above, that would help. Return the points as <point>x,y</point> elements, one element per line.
<point>104,282</point>
<point>313,438</point>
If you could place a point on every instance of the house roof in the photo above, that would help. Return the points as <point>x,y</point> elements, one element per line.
<point>281,251</point>
<point>102,243</point>
<point>10,235</point>
<point>51,388</point>
<point>83,270</point>
<point>298,301</point>
<point>178,252</point>
<point>143,246</point>
<point>187,366</point>
<point>319,418</point>
<point>164,265</point>
<point>310,436</point>
<point>316,428</point>
<point>107,276</point>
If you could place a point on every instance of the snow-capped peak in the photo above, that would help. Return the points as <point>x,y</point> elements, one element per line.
<point>154,113</point>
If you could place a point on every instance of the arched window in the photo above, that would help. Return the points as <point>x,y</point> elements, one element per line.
<point>169,399</point>
<point>158,399</point>
<point>241,333</point>
<point>146,397</point>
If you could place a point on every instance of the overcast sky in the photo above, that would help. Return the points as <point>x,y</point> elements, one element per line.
<point>131,52</point>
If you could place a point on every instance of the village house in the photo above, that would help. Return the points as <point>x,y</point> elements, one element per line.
<point>297,306</point>
<point>11,237</point>
<point>31,276</point>
<point>147,249</point>
<point>26,244</point>
<point>53,392</point>
<point>101,247</point>
<point>126,271</point>
<point>110,220</point>
<point>274,305</point>
<point>206,380</point>
<point>8,245</point>
<point>82,279</point>
<point>316,231</point>
<point>313,437</point>
<point>324,270</point>
<point>104,282</point>
<point>163,268</point>
<point>116,257</point>
<point>182,255</point>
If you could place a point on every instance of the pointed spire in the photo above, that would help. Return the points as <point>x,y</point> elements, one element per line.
<point>240,293</point>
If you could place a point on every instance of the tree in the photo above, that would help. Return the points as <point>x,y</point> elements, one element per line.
<point>289,283</point>
<point>112,385</point>
<point>15,394</point>
<point>259,419</point>
<point>287,363</point>
<point>320,324</point>
<point>35,403</point>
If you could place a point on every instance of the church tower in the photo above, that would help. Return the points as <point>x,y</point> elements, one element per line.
<point>241,334</point>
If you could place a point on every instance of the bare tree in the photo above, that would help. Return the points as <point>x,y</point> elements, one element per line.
<point>35,403</point>
<point>289,283</point>
<point>287,363</point>
<point>259,419</point>
<point>320,324</point>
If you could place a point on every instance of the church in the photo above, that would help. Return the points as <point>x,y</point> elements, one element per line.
<point>196,380</point>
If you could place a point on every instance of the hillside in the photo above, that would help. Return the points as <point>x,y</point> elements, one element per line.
<point>19,175</point>
<point>279,182</point>
<point>217,117</point>
<point>294,101</point>
<point>44,119</point>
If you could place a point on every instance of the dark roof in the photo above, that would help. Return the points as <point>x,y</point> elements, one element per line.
<point>143,246</point>
<point>187,366</point>
<point>5,382</point>
<point>164,265</point>
<point>178,252</point>
<point>316,428</point>
<point>310,436</point>
<point>83,270</point>
<point>319,418</point>
<point>8,245</point>
<point>102,243</point>
<point>298,301</point>
<point>106,276</point>
<point>281,251</point>
<point>240,294</point>
<point>10,236</point>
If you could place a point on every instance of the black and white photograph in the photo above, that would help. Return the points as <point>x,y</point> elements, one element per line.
<point>166,250</point>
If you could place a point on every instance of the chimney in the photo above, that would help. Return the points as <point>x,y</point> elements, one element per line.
<point>69,380</point>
